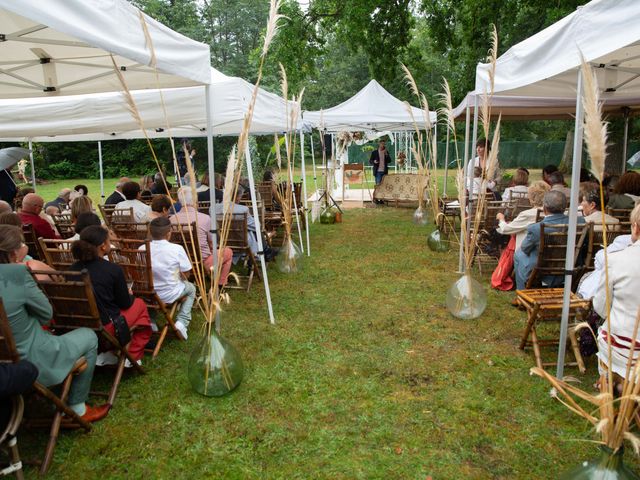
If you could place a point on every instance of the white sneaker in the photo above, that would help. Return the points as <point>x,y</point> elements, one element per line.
<point>127,363</point>
<point>106,358</point>
<point>154,326</point>
<point>182,329</point>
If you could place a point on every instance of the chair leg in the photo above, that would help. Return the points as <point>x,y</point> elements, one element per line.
<point>14,458</point>
<point>576,350</point>
<point>530,322</point>
<point>55,428</point>
<point>536,348</point>
<point>163,334</point>
<point>116,381</point>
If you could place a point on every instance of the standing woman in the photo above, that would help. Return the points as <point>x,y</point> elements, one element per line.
<point>380,160</point>
<point>113,296</point>
<point>28,310</point>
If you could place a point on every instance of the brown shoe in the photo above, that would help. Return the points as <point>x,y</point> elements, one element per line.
<point>93,414</point>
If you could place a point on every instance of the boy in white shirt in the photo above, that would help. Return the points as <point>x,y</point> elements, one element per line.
<point>171,265</point>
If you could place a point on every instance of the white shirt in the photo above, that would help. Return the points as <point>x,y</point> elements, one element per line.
<point>140,209</point>
<point>167,261</point>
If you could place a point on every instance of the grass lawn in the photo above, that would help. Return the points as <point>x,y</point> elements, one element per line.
<point>365,376</point>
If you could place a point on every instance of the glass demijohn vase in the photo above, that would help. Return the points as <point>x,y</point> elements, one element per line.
<point>438,242</point>
<point>467,298</point>
<point>289,260</point>
<point>608,466</point>
<point>328,215</point>
<point>215,367</point>
<point>420,216</point>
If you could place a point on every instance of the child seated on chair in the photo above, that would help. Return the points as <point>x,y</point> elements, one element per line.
<point>171,265</point>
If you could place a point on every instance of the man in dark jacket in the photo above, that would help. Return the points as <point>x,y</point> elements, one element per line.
<point>117,196</point>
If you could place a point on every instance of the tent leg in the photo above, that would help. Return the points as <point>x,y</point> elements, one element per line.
<point>446,165</point>
<point>33,165</point>
<point>304,193</point>
<point>295,202</point>
<point>212,189</point>
<point>466,163</point>
<point>101,171</point>
<point>625,141</point>
<point>573,220</point>
<point>313,161</point>
<point>256,218</point>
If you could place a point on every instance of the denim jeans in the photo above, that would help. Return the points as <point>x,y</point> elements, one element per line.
<point>184,314</point>
<point>379,176</point>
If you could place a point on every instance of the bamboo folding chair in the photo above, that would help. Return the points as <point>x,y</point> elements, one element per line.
<point>621,214</point>
<point>129,230</point>
<point>552,253</point>
<point>187,236</point>
<point>107,211</point>
<point>545,305</point>
<point>238,241</point>
<point>9,354</point>
<point>121,215</point>
<point>136,264</point>
<point>483,234</point>
<point>596,239</point>
<point>57,253</point>
<point>31,241</point>
<point>204,207</point>
<point>74,306</point>
<point>64,225</point>
<point>449,220</point>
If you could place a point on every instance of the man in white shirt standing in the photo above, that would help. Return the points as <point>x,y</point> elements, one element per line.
<point>171,266</point>
<point>131,191</point>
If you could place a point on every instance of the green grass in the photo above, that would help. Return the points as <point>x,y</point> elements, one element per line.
<point>364,376</point>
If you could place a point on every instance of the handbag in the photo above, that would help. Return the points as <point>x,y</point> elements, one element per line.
<point>501,278</point>
<point>121,329</point>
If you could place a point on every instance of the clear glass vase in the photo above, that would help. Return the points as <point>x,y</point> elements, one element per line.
<point>608,465</point>
<point>438,242</point>
<point>420,216</point>
<point>467,298</point>
<point>215,367</point>
<point>289,260</point>
<point>328,216</point>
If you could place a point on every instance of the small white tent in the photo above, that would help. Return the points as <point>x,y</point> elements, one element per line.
<point>64,47</point>
<point>372,109</point>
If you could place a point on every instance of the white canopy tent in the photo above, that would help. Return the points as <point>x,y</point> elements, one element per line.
<point>548,64</point>
<point>372,110</point>
<point>67,46</point>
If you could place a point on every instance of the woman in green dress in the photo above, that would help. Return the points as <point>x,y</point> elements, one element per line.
<point>28,310</point>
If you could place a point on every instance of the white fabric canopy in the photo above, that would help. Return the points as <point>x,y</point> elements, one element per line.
<point>545,65</point>
<point>105,116</point>
<point>371,109</point>
<point>62,47</point>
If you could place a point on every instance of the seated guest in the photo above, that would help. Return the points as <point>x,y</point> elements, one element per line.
<point>23,192</point>
<point>171,267</point>
<point>556,180</point>
<point>621,297</point>
<point>160,207</point>
<point>478,184</point>
<point>546,171</point>
<point>518,226</point>
<point>80,205</point>
<point>20,252</point>
<point>204,195</point>
<point>30,214</point>
<point>240,209</point>
<point>160,186</point>
<point>111,292</point>
<point>131,191</point>
<point>188,215</point>
<point>117,196</point>
<point>10,218</point>
<point>84,220</point>
<point>28,310</point>
<point>591,207</point>
<point>5,207</point>
<point>61,202</point>
<point>626,192</point>
<point>554,205</point>
<point>15,379</point>
<point>146,182</point>
<point>81,189</point>
<point>519,185</point>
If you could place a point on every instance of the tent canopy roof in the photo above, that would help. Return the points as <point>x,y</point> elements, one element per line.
<point>546,64</point>
<point>64,47</point>
<point>371,109</point>
<point>104,116</point>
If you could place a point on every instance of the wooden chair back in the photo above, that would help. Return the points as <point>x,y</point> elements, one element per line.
<point>204,207</point>
<point>64,225</point>
<point>130,230</point>
<point>57,253</point>
<point>106,211</point>
<point>238,231</point>
<point>31,241</point>
<point>265,189</point>
<point>621,214</point>
<point>187,236</point>
<point>552,252</point>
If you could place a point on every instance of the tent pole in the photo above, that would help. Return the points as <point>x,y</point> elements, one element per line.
<point>626,138</point>
<point>212,189</point>
<point>33,166</point>
<point>313,161</point>
<point>101,170</point>
<point>468,179</point>
<point>446,165</point>
<point>293,191</point>
<point>256,218</point>
<point>573,220</point>
<point>466,161</point>
<point>304,193</point>
<point>395,149</point>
